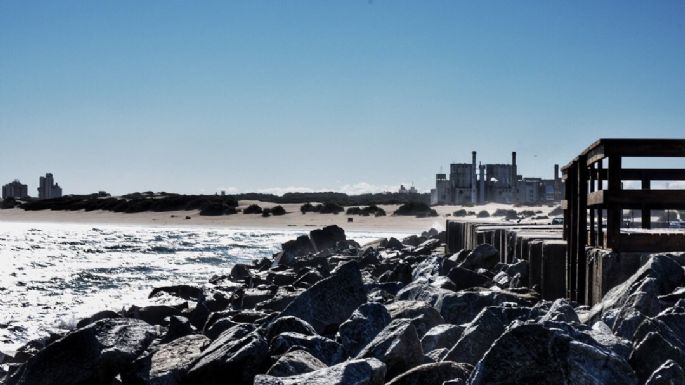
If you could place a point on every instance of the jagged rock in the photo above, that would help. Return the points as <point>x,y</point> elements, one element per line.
<point>324,349</point>
<point>327,237</point>
<point>427,247</point>
<point>533,354</point>
<point>465,278</point>
<point>427,269</point>
<point>434,373</point>
<point>422,291</point>
<point>483,256</point>
<point>288,324</point>
<point>362,326</point>
<point>400,272</point>
<point>94,354</point>
<point>330,301</point>
<point>168,363</point>
<point>413,240</point>
<point>651,353</point>
<point>295,362</point>
<point>394,244</point>
<point>240,272</point>
<point>663,275</point>
<point>308,278</point>
<point>237,359</point>
<point>561,311</point>
<point>294,248</point>
<point>441,336</point>
<point>281,278</point>
<point>187,292</point>
<point>97,317</point>
<point>218,327</point>
<point>670,373</point>
<point>154,314</point>
<point>477,337</point>
<point>177,327</point>
<point>397,345</point>
<point>354,372</point>
<point>423,315</point>
<point>462,307</point>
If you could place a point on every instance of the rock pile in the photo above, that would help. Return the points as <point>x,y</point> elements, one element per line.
<point>328,311</point>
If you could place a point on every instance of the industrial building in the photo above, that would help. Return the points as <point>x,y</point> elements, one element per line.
<point>472,183</point>
<point>15,189</point>
<point>47,188</point>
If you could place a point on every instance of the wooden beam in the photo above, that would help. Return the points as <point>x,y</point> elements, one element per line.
<point>644,173</point>
<point>637,199</point>
<point>653,242</point>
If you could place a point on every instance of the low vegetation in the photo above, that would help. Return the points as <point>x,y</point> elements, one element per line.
<point>366,211</point>
<point>326,208</point>
<point>417,209</point>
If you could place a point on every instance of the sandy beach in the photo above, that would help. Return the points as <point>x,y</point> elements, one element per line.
<point>293,220</point>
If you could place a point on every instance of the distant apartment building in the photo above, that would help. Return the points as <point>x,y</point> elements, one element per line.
<point>410,190</point>
<point>47,188</point>
<point>15,189</point>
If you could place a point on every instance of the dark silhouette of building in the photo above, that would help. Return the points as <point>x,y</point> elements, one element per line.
<point>15,189</point>
<point>47,188</point>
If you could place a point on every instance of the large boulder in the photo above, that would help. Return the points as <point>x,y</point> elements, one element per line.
<point>238,359</point>
<point>670,373</point>
<point>354,372</point>
<point>168,363</point>
<point>477,337</point>
<point>363,326</point>
<point>434,373</point>
<point>533,354</point>
<point>464,306</point>
<point>441,337</point>
<point>324,349</point>
<point>294,362</point>
<point>330,301</point>
<point>397,345</point>
<point>293,249</point>
<point>423,315</point>
<point>94,354</point>
<point>484,256</point>
<point>465,278</point>
<point>652,352</point>
<point>288,324</point>
<point>327,237</point>
<point>658,276</point>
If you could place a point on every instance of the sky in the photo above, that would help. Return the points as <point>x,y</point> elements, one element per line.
<point>352,96</point>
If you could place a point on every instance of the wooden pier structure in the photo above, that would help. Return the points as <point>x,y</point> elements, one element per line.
<point>592,251</point>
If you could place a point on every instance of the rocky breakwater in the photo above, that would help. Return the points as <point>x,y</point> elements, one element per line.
<point>329,311</point>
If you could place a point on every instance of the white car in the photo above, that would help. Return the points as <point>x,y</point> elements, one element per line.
<point>676,225</point>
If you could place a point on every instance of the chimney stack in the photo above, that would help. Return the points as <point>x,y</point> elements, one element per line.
<point>514,178</point>
<point>474,197</point>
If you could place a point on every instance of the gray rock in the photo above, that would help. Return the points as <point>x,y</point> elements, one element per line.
<point>168,363</point>
<point>441,336</point>
<point>330,301</point>
<point>670,373</point>
<point>237,359</point>
<point>327,237</point>
<point>434,373</point>
<point>154,314</point>
<point>295,362</point>
<point>533,354</point>
<point>483,256</point>
<point>354,372</point>
<point>324,349</point>
<point>462,307</point>
<point>94,354</point>
<point>659,275</point>
<point>651,353</point>
<point>561,311</point>
<point>97,317</point>
<point>477,337</point>
<point>398,346</point>
<point>363,326</point>
<point>465,278</point>
<point>288,324</point>
<point>423,316</point>
<point>218,327</point>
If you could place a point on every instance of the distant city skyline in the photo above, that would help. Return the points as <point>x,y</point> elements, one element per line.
<point>348,96</point>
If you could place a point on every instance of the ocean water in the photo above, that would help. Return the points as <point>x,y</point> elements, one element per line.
<point>52,275</point>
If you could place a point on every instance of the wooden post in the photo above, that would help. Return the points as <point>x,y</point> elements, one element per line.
<point>572,251</point>
<point>614,212</point>
<point>646,213</point>
<point>581,231</point>
<point>600,211</point>
<point>593,233</point>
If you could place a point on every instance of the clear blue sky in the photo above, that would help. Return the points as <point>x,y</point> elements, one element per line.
<point>347,95</point>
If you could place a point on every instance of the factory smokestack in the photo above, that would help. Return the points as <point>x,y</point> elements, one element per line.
<point>474,197</point>
<point>514,178</point>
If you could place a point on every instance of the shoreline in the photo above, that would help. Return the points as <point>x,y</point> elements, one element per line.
<point>294,220</point>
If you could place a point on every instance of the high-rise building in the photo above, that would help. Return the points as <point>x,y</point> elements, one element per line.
<point>15,189</point>
<point>47,188</point>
